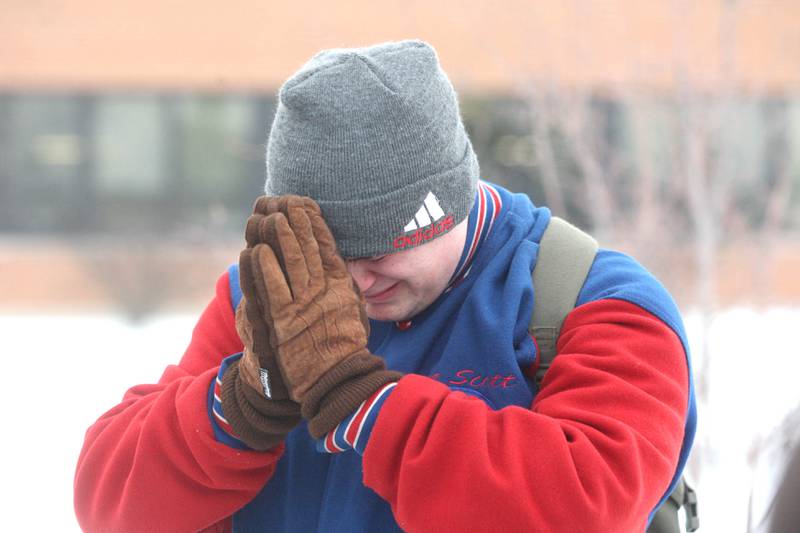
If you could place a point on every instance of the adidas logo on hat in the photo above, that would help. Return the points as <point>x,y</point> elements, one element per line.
<point>429,214</point>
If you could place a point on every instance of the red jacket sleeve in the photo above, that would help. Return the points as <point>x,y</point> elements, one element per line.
<point>152,463</point>
<point>595,452</point>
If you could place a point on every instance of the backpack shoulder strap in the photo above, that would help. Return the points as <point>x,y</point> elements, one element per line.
<point>565,256</point>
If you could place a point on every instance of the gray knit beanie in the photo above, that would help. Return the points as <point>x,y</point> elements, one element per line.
<point>374,135</point>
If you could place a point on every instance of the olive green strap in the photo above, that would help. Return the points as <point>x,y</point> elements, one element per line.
<point>565,256</point>
<point>666,518</point>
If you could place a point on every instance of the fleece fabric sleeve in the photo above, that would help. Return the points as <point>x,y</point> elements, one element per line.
<point>595,452</point>
<point>152,463</point>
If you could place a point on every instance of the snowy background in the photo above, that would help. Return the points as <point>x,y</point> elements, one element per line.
<point>67,370</point>
<point>670,130</point>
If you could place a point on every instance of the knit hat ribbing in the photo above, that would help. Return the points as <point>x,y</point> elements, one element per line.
<point>374,136</point>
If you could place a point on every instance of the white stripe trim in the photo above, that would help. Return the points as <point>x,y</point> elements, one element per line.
<point>378,396</point>
<point>476,235</point>
<point>220,417</point>
<point>333,440</point>
<point>350,422</point>
<point>496,205</point>
<point>328,448</point>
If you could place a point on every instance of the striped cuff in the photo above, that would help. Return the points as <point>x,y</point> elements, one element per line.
<point>223,431</point>
<point>353,432</point>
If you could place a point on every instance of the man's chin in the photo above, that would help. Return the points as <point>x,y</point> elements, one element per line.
<point>385,312</point>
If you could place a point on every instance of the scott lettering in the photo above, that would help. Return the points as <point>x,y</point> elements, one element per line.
<point>473,379</point>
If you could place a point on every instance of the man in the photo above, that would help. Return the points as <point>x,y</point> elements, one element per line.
<point>427,417</point>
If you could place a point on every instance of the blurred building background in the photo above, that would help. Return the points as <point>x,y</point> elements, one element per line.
<point>132,134</point>
<point>132,143</point>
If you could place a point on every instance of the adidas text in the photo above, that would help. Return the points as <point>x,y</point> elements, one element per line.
<point>421,236</point>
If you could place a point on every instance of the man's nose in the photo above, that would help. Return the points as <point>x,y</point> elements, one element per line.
<point>361,273</point>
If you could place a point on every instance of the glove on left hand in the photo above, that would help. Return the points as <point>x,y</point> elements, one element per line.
<point>255,399</point>
<point>320,341</point>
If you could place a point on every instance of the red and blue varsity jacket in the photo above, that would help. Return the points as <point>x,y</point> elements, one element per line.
<point>466,441</point>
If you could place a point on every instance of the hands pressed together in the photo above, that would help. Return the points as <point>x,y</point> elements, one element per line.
<point>304,329</point>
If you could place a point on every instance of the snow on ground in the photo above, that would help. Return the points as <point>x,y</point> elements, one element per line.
<point>753,369</point>
<point>65,371</point>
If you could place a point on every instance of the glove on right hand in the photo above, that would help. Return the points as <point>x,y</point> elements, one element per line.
<point>319,338</point>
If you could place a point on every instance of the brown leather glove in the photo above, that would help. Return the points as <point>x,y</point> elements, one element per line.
<point>255,399</point>
<point>319,339</point>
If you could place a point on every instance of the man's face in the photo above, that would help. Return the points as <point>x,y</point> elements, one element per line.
<point>400,285</point>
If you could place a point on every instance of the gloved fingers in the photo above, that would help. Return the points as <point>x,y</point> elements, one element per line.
<point>322,258</point>
<point>267,234</point>
<point>332,262</point>
<point>301,227</point>
<point>243,324</point>
<point>258,306</point>
<point>307,233</point>
<point>293,257</point>
<point>262,368</point>
<point>266,205</point>
<point>292,201</point>
<point>272,284</point>
<point>362,309</point>
<point>249,369</point>
<point>247,278</point>
<point>310,206</point>
<point>253,329</point>
<point>251,230</point>
<point>261,205</point>
<point>255,301</point>
<point>258,229</point>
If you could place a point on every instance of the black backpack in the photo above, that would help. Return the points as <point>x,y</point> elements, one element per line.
<point>565,256</point>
